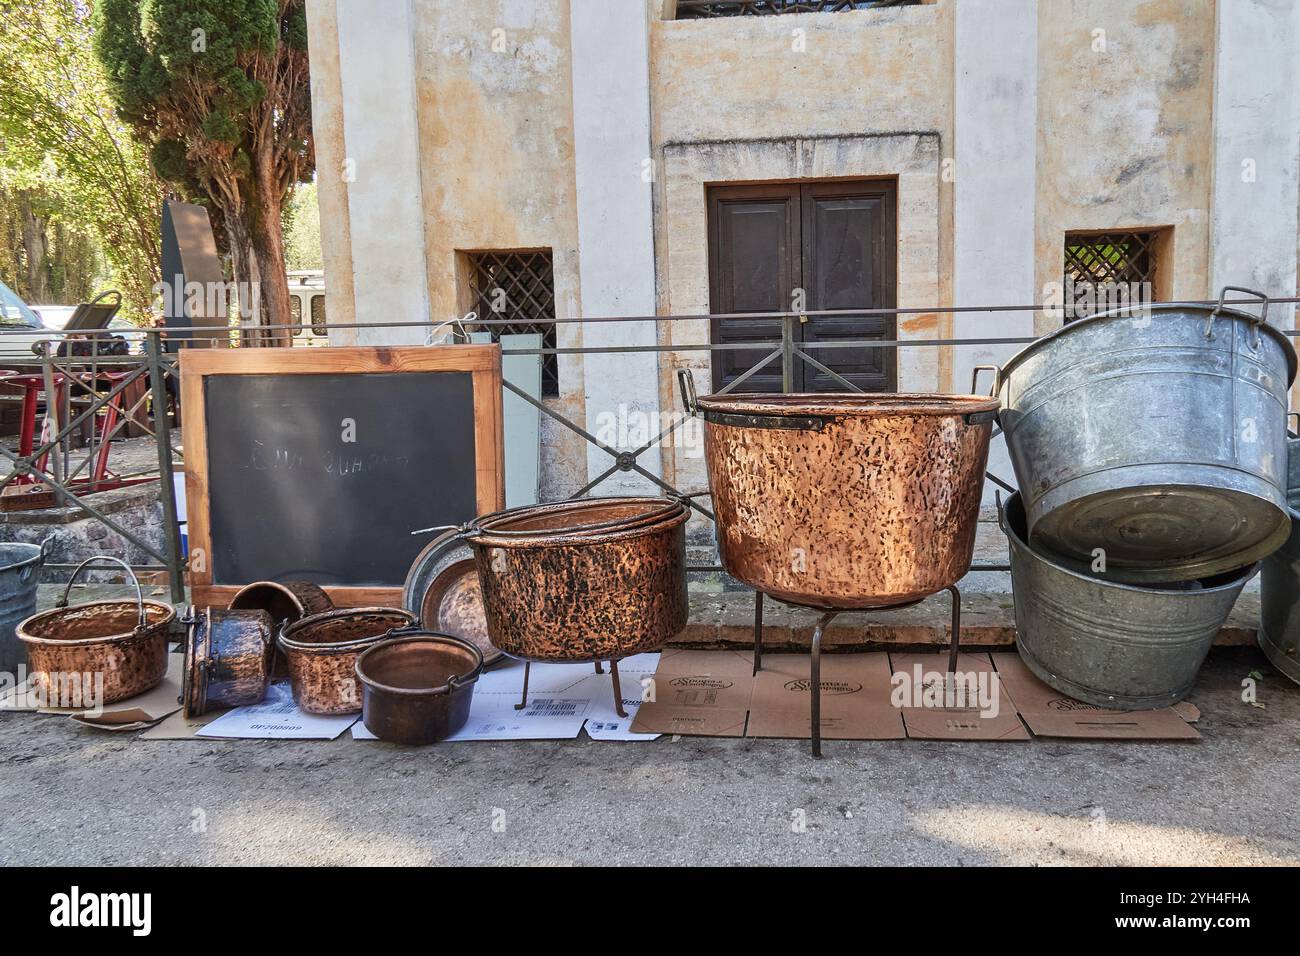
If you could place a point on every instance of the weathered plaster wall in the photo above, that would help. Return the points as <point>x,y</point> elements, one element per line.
<point>1125,130</point>
<point>802,96</point>
<point>496,135</point>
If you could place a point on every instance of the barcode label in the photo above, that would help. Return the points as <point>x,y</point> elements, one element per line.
<point>549,707</point>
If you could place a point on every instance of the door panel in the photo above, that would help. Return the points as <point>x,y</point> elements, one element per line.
<point>753,267</point>
<point>848,251</point>
<point>833,240</point>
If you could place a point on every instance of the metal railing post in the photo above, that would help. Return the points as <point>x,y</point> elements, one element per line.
<point>166,478</point>
<point>787,354</point>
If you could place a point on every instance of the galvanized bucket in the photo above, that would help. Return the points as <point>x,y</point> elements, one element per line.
<point>1156,434</point>
<point>1114,645</point>
<point>20,569</point>
<point>1279,585</point>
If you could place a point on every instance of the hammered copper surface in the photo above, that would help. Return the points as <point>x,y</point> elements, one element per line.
<point>322,653</point>
<point>99,638</point>
<point>454,605</point>
<point>873,504</point>
<point>228,658</point>
<point>418,689</point>
<point>557,596</point>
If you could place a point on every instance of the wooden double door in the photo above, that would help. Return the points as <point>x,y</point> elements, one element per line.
<point>831,244</point>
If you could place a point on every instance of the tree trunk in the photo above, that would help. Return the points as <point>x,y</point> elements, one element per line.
<point>36,246</point>
<point>268,250</point>
<point>244,265</point>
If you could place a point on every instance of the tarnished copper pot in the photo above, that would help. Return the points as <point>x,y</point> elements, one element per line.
<point>125,641</point>
<point>590,580</point>
<point>322,651</point>
<point>228,657</point>
<point>418,686</point>
<point>846,500</point>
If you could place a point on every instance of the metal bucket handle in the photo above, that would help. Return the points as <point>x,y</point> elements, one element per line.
<point>686,382</point>
<point>1256,320</point>
<point>139,596</point>
<point>975,378</point>
<point>25,574</point>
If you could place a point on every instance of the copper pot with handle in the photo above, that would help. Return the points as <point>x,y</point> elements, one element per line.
<point>122,642</point>
<point>845,500</point>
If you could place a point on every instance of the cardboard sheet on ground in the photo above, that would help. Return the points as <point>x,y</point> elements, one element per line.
<point>277,717</point>
<point>133,713</point>
<point>1049,713</point>
<point>975,706</point>
<point>562,700</point>
<point>716,694</point>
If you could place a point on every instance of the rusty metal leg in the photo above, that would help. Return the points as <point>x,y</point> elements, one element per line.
<point>524,700</point>
<point>599,669</point>
<point>956,629</point>
<point>618,690</point>
<point>758,631</point>
<point>816,681</point>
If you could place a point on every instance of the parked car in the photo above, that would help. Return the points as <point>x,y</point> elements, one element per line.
<point>20,328</point>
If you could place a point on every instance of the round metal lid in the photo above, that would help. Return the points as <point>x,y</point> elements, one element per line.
<point>1164,534</point>
<point>442,590</point>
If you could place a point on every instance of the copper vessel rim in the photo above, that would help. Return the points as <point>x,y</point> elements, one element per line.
<point>273,585</point>
<point>848,405</point>
<point>168,614</point>
<point>456,682</point>
<point>566,539</point>
<point>655,509</point>
<point>286,641</point>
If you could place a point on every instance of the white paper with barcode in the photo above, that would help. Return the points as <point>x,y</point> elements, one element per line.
<point>561,699</point>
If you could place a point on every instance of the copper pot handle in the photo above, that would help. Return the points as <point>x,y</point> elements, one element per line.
<point>139,596</point>
<point>686,382</point>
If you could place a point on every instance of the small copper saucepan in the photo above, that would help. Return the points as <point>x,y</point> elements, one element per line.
<point>417,687</point>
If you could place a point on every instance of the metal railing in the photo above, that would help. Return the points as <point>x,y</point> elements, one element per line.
<point>102,380</point>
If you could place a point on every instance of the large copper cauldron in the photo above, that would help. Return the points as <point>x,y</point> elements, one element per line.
<point>846,500</point>
<point>589,580</point>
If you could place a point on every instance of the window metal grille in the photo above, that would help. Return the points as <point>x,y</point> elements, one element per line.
<point>711,9</point>
<point>1101,260</point>
<point>520,287</point>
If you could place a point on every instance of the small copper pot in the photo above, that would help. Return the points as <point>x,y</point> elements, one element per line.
<point>322,651</point>
<point>590,580</point>
<point>417,687</point>
<point>228,656</point>
<point>124,641</point>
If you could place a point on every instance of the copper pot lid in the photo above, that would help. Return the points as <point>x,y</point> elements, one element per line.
<point>443,592</point>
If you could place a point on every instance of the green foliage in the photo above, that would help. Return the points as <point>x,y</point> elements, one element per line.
<point>61,140</point>
<point>302,229</point>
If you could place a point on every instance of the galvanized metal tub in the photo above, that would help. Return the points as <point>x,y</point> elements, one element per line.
<point>1158,436</point>
<point>1107,643</point>
<point>20,569</point>
<point>1279,624</point>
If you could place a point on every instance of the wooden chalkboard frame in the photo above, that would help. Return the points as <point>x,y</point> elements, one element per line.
<point>483,362</point>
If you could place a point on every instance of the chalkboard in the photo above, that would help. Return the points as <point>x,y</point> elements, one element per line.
<point>323,477</point>
<point>316,464</point>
